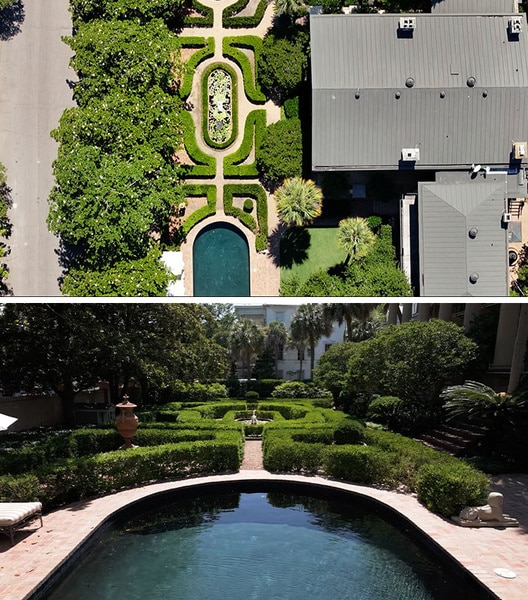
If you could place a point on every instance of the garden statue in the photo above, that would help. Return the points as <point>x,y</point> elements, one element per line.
<point>126,422</point>
<point>254,420</point>
<point>489,515</point>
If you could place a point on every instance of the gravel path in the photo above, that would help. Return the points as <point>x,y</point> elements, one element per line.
<point>252,456</point>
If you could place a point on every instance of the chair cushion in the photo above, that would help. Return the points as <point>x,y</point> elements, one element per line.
<point>12,513</point>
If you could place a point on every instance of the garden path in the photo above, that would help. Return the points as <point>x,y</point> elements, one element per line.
<point>253,460</point>
<point>264,273</point>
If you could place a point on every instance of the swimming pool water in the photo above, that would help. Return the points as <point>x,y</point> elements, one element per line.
<point>221,262</point>
<point>259,546</point>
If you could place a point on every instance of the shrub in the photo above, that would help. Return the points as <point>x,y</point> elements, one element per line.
<point>362,464</point>
<point>384,410</point>
<point>230,18</point>
<point>22,488</point>
<point>298,389</point>
<point>280,153</point>
<point>291,108</point>
<point>197,392</point>
<point>287,455</point>
<point>447,487</point>
<point>205,19</point>
<point>349,432</point>
<point>288,410</point>
<point>252,395</point>
<point>205,50</point>
<point>264,387</point>
<point>231,48</point>
<point>205,165</point>
<point>260,228</point>
<point>248,205</point>
<point>253,132</point>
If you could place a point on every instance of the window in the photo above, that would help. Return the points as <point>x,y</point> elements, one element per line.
<point>328,346</point>
<point>300,354</point>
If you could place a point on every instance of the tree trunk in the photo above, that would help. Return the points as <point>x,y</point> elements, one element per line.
<point>519,349</point>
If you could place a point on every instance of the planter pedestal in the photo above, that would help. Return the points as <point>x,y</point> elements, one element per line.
<point>126,422</point>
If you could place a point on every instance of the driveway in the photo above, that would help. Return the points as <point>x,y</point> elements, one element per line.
<point>33,94</point>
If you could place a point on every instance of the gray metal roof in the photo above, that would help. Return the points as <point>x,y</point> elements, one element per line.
<point>359,65</point>
<point>448,255</point>
<point>474,6</point>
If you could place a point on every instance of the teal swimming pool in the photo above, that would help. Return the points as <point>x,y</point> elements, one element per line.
<point>269,543</point>
<point>221,262</point>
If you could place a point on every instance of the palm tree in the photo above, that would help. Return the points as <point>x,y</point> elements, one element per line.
<point>276,339</point>
<point>355,316</point>
<point>245,341</point>
<point>299,201</point>
<point>355,237</point>
<point>475,401</point>
<point>309,324</point>
<point>290,8</point>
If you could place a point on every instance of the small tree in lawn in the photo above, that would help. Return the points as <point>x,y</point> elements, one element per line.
<point>299,201</point>
<point>355,237</point>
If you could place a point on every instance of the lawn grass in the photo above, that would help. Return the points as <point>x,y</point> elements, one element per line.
<point>305,250</point>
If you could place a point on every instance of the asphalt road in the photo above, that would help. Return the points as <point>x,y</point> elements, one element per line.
<point>33,94</point>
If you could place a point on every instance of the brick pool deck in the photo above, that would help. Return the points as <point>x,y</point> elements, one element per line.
<point>38,552</point>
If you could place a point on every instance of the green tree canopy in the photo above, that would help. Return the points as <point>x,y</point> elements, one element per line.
<point>280,153</point>
<point>69,347</point>
<point>126,55</point>
<point>282,63</point>
<point>142,10</point>
<point>246,341</point>
<point>299,201</point>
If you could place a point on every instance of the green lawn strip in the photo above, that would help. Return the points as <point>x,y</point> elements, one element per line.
<point>256,193</point>
<point>253,132</point>
<point>205,165</point>
<point>205,49</point>
<point>205,106</point>
<point>321,252</point>
<point>205,211</point>
<point>231,48</point>
<point>231,20</point>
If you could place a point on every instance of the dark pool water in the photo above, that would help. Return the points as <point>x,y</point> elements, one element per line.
<point>260,546</point>
<point>221,262</point>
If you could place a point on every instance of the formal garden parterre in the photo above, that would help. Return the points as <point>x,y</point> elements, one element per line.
<point>140,140</point>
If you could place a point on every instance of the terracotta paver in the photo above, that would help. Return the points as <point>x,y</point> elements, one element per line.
<point>38,552</point>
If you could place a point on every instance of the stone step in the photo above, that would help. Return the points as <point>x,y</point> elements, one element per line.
<point>457,439</point>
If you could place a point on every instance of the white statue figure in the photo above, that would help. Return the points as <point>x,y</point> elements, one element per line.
<point>254,420</point>
<point>489,515</point>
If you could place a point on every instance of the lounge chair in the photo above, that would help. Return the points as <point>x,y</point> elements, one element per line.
<point>14,515</point>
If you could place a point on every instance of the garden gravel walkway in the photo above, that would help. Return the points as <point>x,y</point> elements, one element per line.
<point>252,456</point>
<point>264,272</point>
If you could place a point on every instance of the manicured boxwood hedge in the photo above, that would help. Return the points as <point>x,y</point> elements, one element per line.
<point>231,20</point>
<point>205,105</point>
<point>73,479</point>
<point>205,211</point>
<point>205,19</point>
<point>256,192</point>
<point>205,49</point>
<point>253,131</point>
<point>231,48</point>
<point>205,165</point>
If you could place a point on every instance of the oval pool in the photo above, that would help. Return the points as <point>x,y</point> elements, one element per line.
<point>261,542</point>
<point>221,262</point>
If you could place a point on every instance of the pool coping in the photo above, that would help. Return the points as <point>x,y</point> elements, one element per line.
<point>37,554</point>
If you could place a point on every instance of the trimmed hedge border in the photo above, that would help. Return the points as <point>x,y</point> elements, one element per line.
<point>205,165</point>
<point>231,49</point>
<point>231,20</point>
<point>253,131</point>
<point>234,105</point>
<point>256,192</point>
<point>191,189</point>
<point>205,20</point>
<point>206,48</point>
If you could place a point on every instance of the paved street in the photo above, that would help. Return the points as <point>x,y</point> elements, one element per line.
<point>33,94</point>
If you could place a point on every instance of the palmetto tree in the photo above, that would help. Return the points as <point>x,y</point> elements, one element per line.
<point>276,339</point>
<point>475,401</point>
<point>299,201</point>
<point>290,8</point>
<point>245,341</point>
<point>355,237</point>
<point>309,324</point>
<point>355,317</point>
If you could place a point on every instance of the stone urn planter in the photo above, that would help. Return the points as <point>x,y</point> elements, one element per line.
<point>126,422</point>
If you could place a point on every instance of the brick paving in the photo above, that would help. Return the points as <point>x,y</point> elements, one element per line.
<point>37,552</point>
